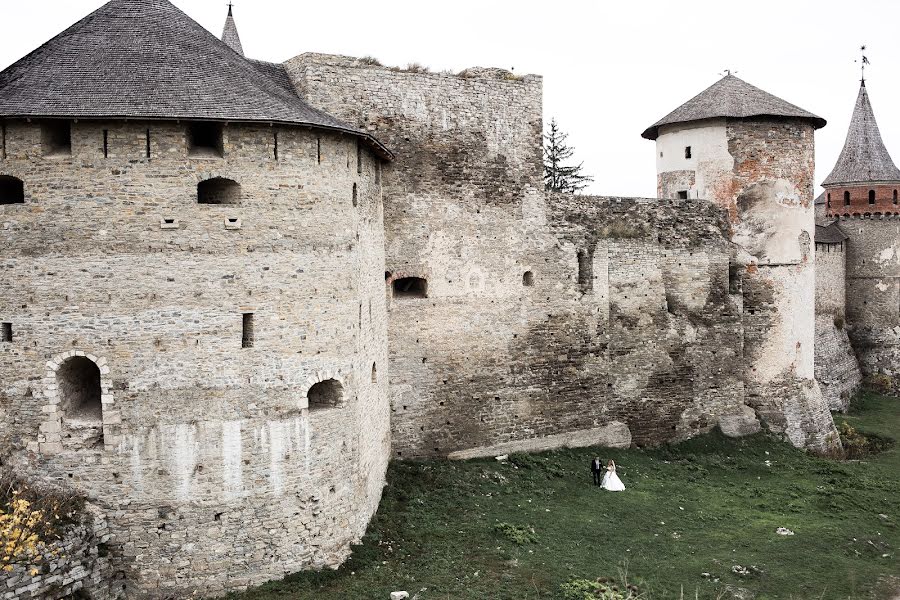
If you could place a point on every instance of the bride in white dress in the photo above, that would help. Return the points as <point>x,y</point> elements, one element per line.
<point>611,481</point>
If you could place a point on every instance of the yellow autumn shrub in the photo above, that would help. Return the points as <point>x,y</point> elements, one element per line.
<point>31,520</point>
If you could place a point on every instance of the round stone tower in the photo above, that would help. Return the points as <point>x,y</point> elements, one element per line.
<point>192,300</point>
<point>752,154</point>
<point>862,194</point>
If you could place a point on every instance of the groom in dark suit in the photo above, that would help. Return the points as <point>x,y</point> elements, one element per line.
<point>597,470</point>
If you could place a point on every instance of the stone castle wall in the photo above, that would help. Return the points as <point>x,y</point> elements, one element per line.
<point>213,470</point>
<point>512,348</point>
<point>836,367</point>
<point>873,295</point>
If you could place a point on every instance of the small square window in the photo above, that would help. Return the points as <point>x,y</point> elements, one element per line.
<point>56,138</point>
<point>683,195</point>
<point>205,140</point>
<point>6,332</point>
<point>687,151</point>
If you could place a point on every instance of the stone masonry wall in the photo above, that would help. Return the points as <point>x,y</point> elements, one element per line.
<point>836,367</point>
<point>213,469</point>
<point>512,349</point>
<point>873,295</point>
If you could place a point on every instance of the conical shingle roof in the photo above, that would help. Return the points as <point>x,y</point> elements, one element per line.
<point>230,34</point>
<point>146,59</point>
<point>864,158</point>
<point>733,98</point>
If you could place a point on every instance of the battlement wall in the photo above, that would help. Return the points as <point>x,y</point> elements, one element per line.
<point>475,133</point>
<point>206,429</point>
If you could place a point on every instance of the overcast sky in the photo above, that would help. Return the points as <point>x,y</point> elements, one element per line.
<point>610,68</point>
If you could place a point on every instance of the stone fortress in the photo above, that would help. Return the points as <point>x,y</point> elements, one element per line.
<point>233,290</point>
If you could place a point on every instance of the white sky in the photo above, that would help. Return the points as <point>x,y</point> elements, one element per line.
<point>610,68</point>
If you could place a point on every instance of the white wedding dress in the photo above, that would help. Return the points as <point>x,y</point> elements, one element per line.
<point>612,482</point>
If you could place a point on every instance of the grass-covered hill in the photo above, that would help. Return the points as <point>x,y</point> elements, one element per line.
<point>699,518</point>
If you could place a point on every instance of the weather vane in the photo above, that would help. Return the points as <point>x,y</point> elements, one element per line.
<point>728,72</point>
<point>863,62</point>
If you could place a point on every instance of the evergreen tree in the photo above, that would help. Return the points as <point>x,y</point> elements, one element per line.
<point>557,176</point>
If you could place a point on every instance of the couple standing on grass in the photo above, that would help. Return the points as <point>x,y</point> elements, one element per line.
<point>610,481</point>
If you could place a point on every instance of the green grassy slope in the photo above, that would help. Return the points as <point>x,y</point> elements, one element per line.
<point>691,514</point>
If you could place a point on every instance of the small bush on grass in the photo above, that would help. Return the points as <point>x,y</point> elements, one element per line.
<point>601,589</point>
<point>516,534</point>
<point>860,445</point>
<point>880,382</point>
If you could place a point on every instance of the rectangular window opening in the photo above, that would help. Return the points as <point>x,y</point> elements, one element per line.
<point>319,150</point>
<point>586,270</point>
<point>148,143</point>
<point>687,151</point>
<point>683,195</point>
<point>56,138</point>
<point>6,333</point>
<point>106,143</point>
<point>205,140</point>
<point>359,154</point>
<point>275,137</point>
<point>247,331</point>
<point>410,287</point>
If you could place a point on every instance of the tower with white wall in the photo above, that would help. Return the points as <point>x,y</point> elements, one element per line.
<point>753,154</point>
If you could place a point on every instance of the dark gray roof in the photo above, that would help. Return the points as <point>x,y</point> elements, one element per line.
<point>864,158</point>
<point>830,234</point>
<point>820,199</point>
<point>230,34</point>
<point>733,98</point>
<point>146,59</point>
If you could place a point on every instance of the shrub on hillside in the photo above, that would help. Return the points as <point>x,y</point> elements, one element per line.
<point>860,445</point>
<point>601,589</point>
<point>516,534</point>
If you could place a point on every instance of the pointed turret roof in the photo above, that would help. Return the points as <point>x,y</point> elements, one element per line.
<point>864,158</point>
<point>230,34</point>
<point>146,59</point>
<point>731,97</point>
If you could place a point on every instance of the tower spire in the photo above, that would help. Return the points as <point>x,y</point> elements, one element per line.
<point>230,33</point>
<point>863,62</point>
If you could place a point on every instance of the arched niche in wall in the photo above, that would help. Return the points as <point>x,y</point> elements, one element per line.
<point>12,190</point>
<point>218,190</point>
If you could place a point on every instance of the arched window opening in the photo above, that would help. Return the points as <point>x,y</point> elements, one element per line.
<point>585,270</point>
<point>410,287</point>
<point>846,198</point>
<point>12,190</point>
<point>56,138</point>
<point>895,196</point>
<point>205,140</point>
<point>828,202</point>
<point>871,196</point>
<point>78,382</point>
<point>374,373</point>
<point>218,190</point>
<point>325,394</point>
<point>528,279</point>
